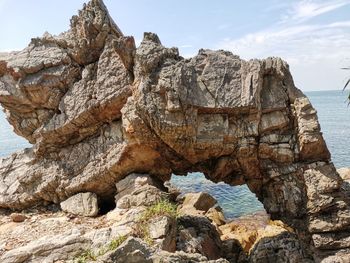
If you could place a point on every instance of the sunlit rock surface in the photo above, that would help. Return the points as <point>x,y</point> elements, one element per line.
<point>96,109</point>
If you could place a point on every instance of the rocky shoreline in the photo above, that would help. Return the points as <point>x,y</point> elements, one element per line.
<point>100,112</point>
<point>147,219</point>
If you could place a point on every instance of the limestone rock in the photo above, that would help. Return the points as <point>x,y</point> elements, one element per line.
<point>61,247</point>
<point>163,231</point>
<point>198,235</point>
<point>131,183</point>
<point>216,215</point>
<point>196,203</point>
<point>97,109</point>
<point>284,247</point>
<point>245,229</point>
<point>133,250</point>
<point>124,220</point>
<point>143,196</point>
<point>233,251</point>
<point>182,257</point>
<point>138,190</point>
<point>84,204</point>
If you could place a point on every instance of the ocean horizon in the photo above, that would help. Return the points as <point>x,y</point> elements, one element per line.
<point>334,118</point>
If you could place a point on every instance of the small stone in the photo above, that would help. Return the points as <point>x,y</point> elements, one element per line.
<point>17,217</point>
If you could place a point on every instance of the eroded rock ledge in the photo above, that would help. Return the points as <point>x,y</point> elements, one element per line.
<point>96,109</point>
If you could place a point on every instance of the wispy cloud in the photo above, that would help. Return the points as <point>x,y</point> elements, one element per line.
<point>294,36</point>
<point>300,42</point>
<point>307,9</point>
<point>297,39</point>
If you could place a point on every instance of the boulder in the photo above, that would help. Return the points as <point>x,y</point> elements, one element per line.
<point>249,230</point>
<point>124,220</point>
<point>145,195</point>
<point>198,235</point>
<point>196,203</point>
<point>245,235</point>
<point>233,251</point>
<point>82,204</point>
<point>284,247</point>
<point>59,247</point>
<point>216,215</point>
<point>96,109</point>
<point>163,231</point>
<point>133,182</point>
<point>132,250</point>
<point>182,257</point>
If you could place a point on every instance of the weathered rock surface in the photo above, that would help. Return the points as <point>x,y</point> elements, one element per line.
<point>137,190</point>
<point>60,247</point>
<point>84,204</point>
<point>55,236</point>
<point>197,202</point>
<point>201,204</point>
<point>133,250</point>
<point>182,257</point>
<point>133,182</point>
<point>283,248</point>
<point>163,230</point>
<point>96,109</point>
<point>198,235</point>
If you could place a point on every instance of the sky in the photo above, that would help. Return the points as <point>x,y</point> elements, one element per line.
<point>313,36</point>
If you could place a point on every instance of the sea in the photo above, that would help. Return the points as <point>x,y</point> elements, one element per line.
<point>334,117</point>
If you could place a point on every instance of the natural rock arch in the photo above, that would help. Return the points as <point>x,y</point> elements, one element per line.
<point>97,108</point>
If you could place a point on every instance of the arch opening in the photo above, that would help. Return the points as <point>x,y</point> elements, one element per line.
<point>235,201</point>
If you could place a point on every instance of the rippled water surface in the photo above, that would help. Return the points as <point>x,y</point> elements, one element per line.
<point>334,116</point>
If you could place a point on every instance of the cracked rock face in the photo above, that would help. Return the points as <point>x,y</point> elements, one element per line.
<point>96,109</point>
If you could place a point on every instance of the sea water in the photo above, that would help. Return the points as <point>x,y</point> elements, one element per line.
<point>334,117</point>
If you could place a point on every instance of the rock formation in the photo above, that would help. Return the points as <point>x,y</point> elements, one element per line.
<point>167,232</point>
<point>96,109</point>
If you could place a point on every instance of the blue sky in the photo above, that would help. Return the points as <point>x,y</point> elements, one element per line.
<point>313,36</point>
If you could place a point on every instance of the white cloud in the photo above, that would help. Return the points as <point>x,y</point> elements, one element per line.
<point>307,9</point>
<point>340,24</point>
<point>293,40</point>
<point>309,48</point>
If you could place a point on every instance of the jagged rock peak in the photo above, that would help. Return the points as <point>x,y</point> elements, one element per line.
<point>97,12</point>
